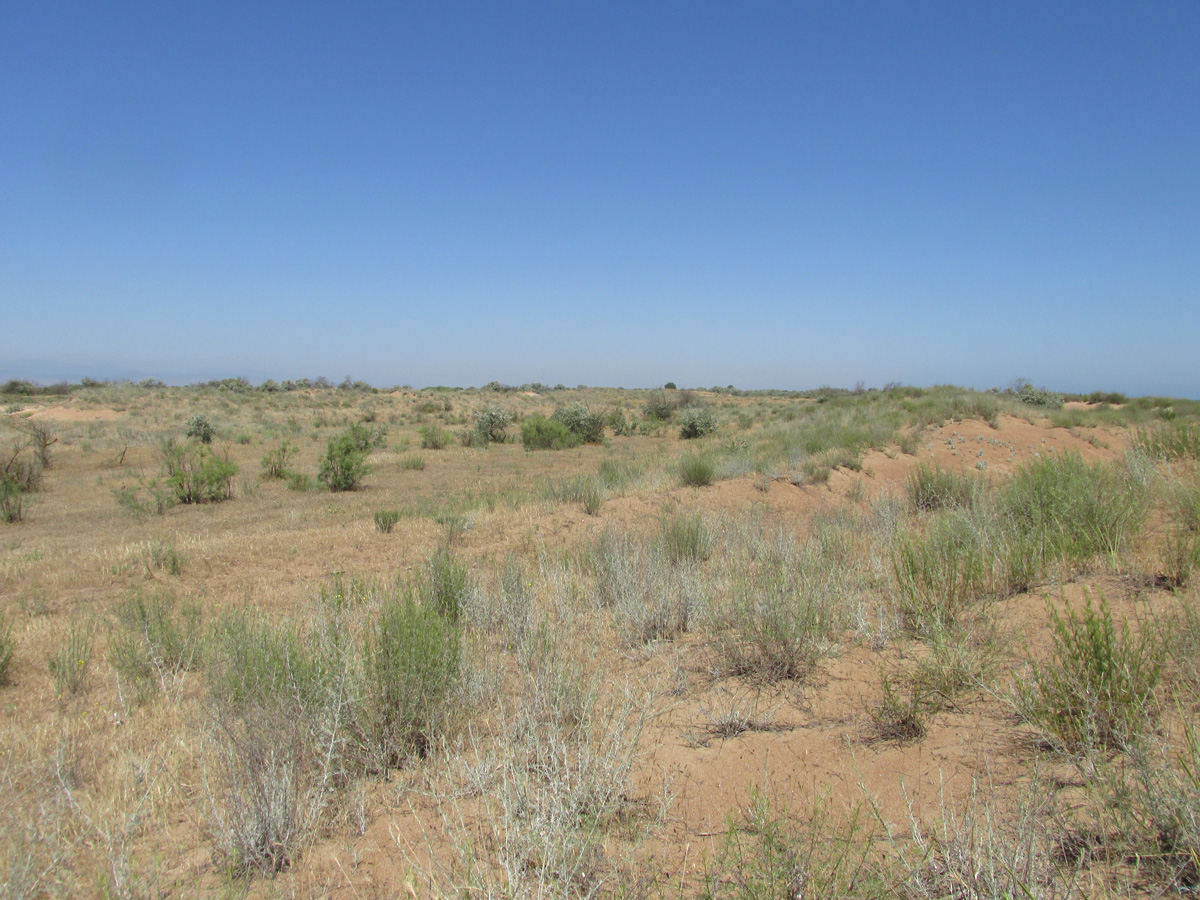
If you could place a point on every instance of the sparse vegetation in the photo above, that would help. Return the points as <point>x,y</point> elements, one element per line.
<point>468,695</point>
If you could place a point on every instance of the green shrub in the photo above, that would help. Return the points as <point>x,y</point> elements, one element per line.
<point>21,476</point>
<point>365,438</point>
<point>434,437</point>
<point>490,426</point>
<point>540,433</point>
<point>275,462</point>
<point>586,425</point>
<point>413,665</point>
<point>1097,689</point>
<point>1040,397</point>
<point>696,469</point>
<point>200,428</point>
<point>195,474</point>
<point>696,422</point>
<point>345,462</point>
<point>12,499</point>
<point>658,406</point>
<point>618,423</point>
<point>301,482</point>
<point>386,519</point>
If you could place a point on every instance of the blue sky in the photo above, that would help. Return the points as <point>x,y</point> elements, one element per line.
<point>765,195</point>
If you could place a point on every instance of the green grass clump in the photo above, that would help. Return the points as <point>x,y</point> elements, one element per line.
<point>766,855</point>
<point>696,469</point>
<point>70,662</point>
<point>776,626</point>
<point>1176,440</point>
<point>7,645</point>
<point>1073,511</point>
<point>154,644</point>
<point>386,519</point>
<point>931,488</point>
<point>939,572</point>
<point>444,584</point>
<point>685,537</point>
<point>412,462</point>
<point>1097,689</point>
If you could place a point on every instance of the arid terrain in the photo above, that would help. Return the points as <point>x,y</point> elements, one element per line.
<point>317,641</point>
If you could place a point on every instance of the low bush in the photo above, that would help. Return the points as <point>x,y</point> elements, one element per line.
<point>658,406</point>
<point>344,465</point>
<point>618,423</point>
<point>300,482</point>
<point>195,474</point>
<point>412,462</point>
<point>435,437</point>
<point>21,476</point>
<point>1040,397</point>
<point>541,433</point>
<point>275,462</point>
<point>586,425</point>
<point>696,422</point>
<point>413,659</point>
<point>489,426</point>
<point>200,428</point>
<point>1097,689</point>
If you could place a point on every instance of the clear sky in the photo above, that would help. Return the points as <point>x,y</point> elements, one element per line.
<point>759,194</point>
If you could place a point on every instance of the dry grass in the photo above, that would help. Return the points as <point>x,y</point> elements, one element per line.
<point>603,606</point>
